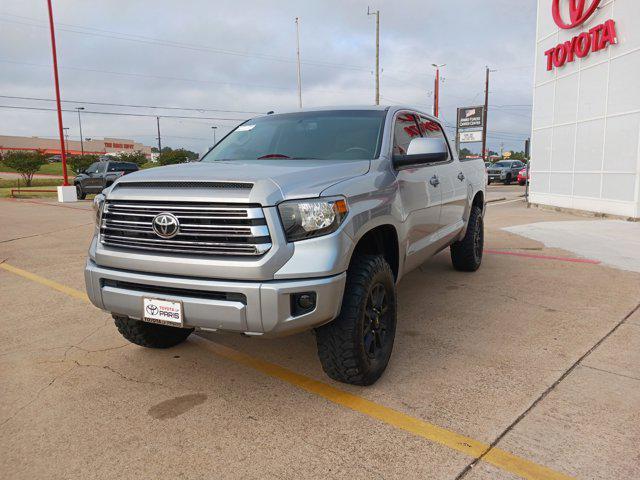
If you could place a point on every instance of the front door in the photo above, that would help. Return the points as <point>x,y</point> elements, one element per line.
<point>420,194</point>
<point>453,184</point>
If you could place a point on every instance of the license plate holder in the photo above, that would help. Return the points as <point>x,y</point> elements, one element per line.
<point>162,311</point>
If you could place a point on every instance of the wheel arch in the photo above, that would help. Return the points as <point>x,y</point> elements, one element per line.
<point>380,240</point>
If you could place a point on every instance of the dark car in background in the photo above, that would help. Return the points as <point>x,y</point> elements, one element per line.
<point>505,171</point>
<point>100,175</point>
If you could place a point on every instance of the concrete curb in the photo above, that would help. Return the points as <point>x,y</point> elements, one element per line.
<point>496,200</point>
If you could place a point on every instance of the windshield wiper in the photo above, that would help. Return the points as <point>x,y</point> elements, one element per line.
<point>273,155</point>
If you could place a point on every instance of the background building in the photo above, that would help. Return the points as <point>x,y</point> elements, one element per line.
<point>52,146</point>
<point>586,107</point>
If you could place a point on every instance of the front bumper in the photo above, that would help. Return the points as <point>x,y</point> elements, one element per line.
<point>497,176</point>
<point>254,308</point>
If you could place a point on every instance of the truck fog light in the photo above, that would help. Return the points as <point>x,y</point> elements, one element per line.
<point>302,303</point>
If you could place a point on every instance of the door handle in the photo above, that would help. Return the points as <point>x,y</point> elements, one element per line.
<point>461,176</point>
<point>434,181</point>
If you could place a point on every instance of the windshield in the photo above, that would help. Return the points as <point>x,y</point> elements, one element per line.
<point>324,135</point>
<point>502,164</point>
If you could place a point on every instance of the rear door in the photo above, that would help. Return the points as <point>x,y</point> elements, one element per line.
<point>419,192</point>
<point>453,183</point>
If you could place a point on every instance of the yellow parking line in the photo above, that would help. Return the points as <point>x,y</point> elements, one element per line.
<point>45,281</point>
<point>455,441</point>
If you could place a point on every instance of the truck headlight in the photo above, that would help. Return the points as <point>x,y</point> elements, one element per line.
<point>98,207</point>
<point>312,218</point>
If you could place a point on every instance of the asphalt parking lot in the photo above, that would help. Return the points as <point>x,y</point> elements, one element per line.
<point>529,368</point>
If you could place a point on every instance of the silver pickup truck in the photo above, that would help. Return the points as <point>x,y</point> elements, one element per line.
<point>295,221</point>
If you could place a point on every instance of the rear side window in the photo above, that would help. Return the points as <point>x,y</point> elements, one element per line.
<point>405,129</point>
<point>122,167</point>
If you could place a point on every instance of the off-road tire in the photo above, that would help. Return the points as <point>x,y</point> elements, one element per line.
<point>80,193</point>
<point>150,335</point>
<point>342,343</point>
<point>466,254</point>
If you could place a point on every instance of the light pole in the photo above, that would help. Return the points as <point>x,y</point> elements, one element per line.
<point>299,69</point>
<point>57,88</point>
<point>436,90</point>
<point>66,140</point>
<point>80,125</point>
<point>214,128</point>
<point>377,14</point>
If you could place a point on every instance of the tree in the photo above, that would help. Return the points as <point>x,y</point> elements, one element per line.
<point>25,163</point>
<point>465,152</point>
<point>171,157</point>
<point>136,157</point>
<point>79,163</point>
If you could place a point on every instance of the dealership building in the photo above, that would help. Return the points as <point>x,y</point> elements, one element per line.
<point>585,144</point>
<point>92,146</point>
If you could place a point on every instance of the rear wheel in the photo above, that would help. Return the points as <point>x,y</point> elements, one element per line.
<point>150,335</point>
<point>355,348</point>
<point>466,254</point>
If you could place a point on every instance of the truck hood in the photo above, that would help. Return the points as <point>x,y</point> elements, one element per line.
<point>266,181</point>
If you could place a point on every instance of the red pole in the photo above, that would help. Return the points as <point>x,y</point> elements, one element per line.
<point>57,83</point>
<point>436,93</point>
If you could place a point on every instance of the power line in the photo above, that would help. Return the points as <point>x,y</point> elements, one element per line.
<point>97,32</point>
<point>129,105</point>
<point>123,114</point>
<point>144,75</point>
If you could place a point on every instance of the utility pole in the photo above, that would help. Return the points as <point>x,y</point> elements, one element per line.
<point>377,14</point>
<point>57,88</point>
<point>485,155</point>
<point>80,125</point>
<point>66,140</point>
<point>299,68</point>
<point>214,128</point>
<point>159,140</point>
<point>436,90</point>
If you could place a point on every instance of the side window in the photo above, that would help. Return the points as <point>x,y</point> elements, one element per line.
<point>404,130</point>
<point>431,129</point>
<point>102,167</point>
<point>93,168</point>
<point>113,167</point>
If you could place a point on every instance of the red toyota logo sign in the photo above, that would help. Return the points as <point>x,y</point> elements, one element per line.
<point>597,38</point>
<point>578,14</point>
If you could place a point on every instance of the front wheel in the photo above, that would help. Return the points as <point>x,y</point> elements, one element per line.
<point>80,193</point>
<point>150,335</point>
<point>466,254</point>
<point>507,181</point>
<point>355,348</point>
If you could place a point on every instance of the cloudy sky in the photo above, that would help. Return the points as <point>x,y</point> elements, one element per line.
<point>223,61</point>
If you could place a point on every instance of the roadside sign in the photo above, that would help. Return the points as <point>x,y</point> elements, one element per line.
<point>473,136</point>
<point>471,117</point>
<point>506,154</point>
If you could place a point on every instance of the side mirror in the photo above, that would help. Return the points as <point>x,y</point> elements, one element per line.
<point>423,151</point>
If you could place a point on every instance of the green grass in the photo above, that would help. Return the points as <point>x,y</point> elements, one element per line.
<point>48,168</point>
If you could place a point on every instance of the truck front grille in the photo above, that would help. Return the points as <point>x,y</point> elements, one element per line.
<point>203,228</point>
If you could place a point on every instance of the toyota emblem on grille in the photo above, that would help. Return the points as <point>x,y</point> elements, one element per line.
<point>166,225</point>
